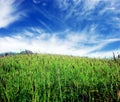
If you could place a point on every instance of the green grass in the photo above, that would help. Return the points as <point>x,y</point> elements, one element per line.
<point>54,78</point>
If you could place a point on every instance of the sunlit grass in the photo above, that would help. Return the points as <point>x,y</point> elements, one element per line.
<point>54,78</point>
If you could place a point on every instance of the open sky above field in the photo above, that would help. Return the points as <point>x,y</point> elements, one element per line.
<point>70,27</point>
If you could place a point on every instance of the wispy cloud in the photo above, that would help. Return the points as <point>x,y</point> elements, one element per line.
<point>87,40</point>
<point>72,44</point>
<point>90,4</point>
<point>37,1</point>
<point>77,7</point>
<point>85,8</point>
<point>8,13</point>
<point>103,54</point>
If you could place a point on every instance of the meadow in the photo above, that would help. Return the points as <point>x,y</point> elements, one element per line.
<point>58,78</point>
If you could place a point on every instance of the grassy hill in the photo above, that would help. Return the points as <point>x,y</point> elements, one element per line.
<point>54,78</point>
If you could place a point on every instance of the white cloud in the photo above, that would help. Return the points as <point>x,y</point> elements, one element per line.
<point>45,25</point>
<point>104,54</point>
<point>29,34</point>
<point>8,13</point>
<point>102,43</point>
<point>73,44</point>
<point>12,44</point>
<point>37,1</point>
<point>90,4</point>
<point>83,8</point>
<point>63,4</point>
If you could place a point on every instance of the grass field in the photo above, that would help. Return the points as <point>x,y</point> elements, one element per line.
<point>55,78</point>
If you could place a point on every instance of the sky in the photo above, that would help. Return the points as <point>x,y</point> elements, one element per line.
<point>68,27</point>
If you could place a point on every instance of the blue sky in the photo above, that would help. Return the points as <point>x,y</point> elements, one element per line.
<point>70,27</point>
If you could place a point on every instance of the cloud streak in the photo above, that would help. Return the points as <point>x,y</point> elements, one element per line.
<point>8,13</point>
<point>93,11</point>
<point>77,29</point>
<point>45,43</point>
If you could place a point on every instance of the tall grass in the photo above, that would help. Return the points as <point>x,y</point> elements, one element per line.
<point>54,78</point>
